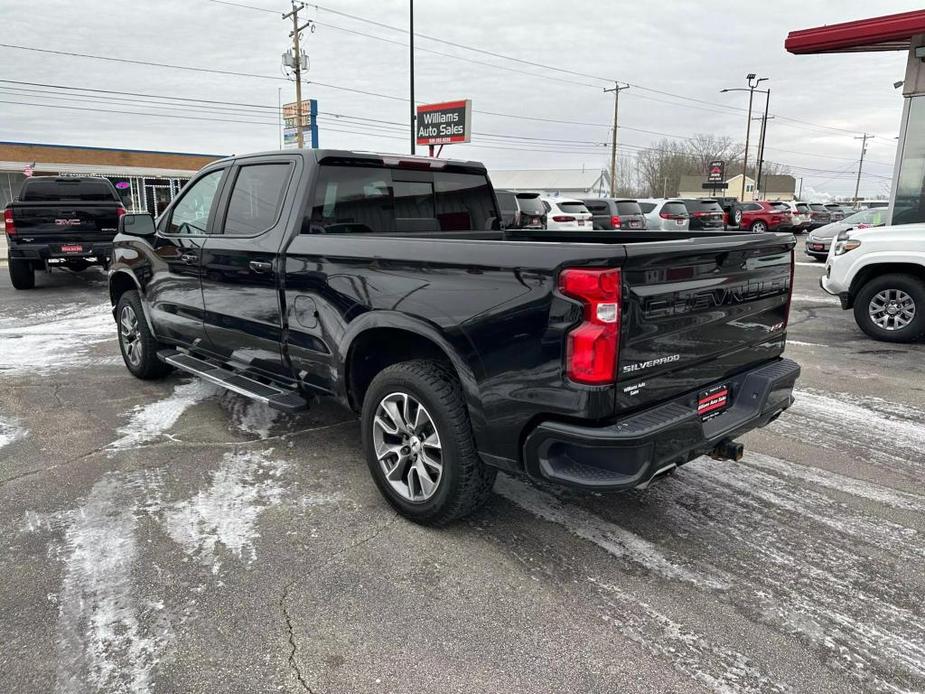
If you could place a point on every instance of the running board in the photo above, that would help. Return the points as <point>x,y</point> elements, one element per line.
<point>272,396</point>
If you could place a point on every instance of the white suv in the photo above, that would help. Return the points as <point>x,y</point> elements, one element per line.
<point>880,273</point>
<point>801,220</point>
<point>565,214</point>
<point>665,215</point>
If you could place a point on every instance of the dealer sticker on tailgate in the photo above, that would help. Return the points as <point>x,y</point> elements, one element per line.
<point>712,401</point>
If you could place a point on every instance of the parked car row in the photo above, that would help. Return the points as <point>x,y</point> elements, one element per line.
<point>535,211</point>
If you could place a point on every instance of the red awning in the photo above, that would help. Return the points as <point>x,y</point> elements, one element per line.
<point>888,33</point>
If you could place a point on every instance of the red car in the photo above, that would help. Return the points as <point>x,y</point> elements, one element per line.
<point>761,215</point>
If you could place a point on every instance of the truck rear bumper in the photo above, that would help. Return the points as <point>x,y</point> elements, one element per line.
<point>633,450</point>
<point>101,251</point>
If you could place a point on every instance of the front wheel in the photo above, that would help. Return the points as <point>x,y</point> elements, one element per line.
<point>22,274</point>
<point>759,227</point>
<point>891,308</point>
<point>419,444</point>
<point>136,341</point>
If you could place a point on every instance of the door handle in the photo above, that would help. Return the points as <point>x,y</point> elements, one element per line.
<point>260,267</point>
<point>189,258</point>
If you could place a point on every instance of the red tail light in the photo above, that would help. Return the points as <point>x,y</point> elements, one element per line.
<point>615,221</point>
<point>9,223</point>
<point>725,217</point>
<point>668,215</point>
<point>563,218</point>
<point>592,349</point>
<point>119,212</point>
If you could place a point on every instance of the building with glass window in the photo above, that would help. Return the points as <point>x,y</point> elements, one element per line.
<point>896,32</point>
<point>146,180</point>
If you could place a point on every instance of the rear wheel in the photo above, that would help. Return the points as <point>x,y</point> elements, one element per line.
<point>136,341</point>
<point>892,308</point>
<point>737,217</point>
<point>759,227</point>
<point>419,444</point>
<point>22,274</point>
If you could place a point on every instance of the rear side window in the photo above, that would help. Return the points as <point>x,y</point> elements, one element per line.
<point>83,189</point>
<point>256,199</point>
<point>677,208</point>
<point>751,207</point>
<point>646,207</point>
<point>355,199</point>
<point>628,207</point>
<point>780,206</point>
<point>818,208</point>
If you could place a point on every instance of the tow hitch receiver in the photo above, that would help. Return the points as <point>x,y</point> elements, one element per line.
<point>727,449</point>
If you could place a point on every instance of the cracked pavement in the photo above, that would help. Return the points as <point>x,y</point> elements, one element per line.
<point>167,537</point>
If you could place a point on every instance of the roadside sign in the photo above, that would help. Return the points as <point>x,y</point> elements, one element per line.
<point>443,124</point>
<point>717,171</point>
<point>309,124</point>
<point>722,185</point>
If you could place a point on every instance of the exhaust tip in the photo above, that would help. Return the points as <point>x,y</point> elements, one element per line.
<point>728,449</point>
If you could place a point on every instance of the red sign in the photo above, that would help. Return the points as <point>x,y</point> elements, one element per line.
<point>443,124</point>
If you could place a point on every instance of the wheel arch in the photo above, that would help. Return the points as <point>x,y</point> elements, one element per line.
<point>382,338</point>
<point>874,270</point>
<point>121,281</point>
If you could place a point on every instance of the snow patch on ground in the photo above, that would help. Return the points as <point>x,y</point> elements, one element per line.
<point>617,541</point>
<point>245,484</point>
<point>148,422</point>
<point>250,416</point>
<point>10,431</point>
<point>105,640</point>
<point>63,343</point>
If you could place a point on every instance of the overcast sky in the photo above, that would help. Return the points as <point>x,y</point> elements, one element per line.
<point>690,49</point>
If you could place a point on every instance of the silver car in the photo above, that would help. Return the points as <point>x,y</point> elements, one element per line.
<point>819,240</point>
<point>665,215</point>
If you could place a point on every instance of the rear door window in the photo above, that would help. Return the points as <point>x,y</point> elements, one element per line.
<point>257,198</point>
<point>463,201</point>
<point>353,199</point>
<point>82,189</point>
<point>646,207</point>
<point>507,201</point>
<point>780,207</point>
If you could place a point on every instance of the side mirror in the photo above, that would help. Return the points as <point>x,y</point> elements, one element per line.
<point>137,225</point>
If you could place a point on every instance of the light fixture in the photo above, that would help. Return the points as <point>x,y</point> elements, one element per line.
<point>751,75</point>
<point>897,85</point>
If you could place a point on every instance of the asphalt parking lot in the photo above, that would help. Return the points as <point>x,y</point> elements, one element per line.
<point>167,537</point>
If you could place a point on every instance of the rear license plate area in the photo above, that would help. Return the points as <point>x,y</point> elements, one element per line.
<point>71,248</point>
<point>712,401</point>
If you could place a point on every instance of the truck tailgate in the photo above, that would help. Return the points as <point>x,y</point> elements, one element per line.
<point>65,221</point>
<point>696,312</point>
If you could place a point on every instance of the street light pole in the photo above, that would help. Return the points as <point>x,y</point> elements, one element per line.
<point>857,185</point>
<point>752,85</point>
<point>411,56</point>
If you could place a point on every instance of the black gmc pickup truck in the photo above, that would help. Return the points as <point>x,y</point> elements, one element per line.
<point>601,361</point>
<point>60,222</point>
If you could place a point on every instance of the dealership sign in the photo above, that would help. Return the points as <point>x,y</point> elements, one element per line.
<point>717,171</point>
<point>446,123</point>
<point>308,125</point>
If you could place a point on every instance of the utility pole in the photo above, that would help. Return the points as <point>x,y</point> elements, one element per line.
<point>764,127</point>
<point>864,138</point>
<point>613,143</point>
<point>297,65</point>
<point>800,194</point>
<point>411,55</point>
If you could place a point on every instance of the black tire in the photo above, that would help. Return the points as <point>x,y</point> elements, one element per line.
<point>465,482</point>
<point>141,357</point>
<point>911,287</point>
<point>759,227</point>
<point>22,274</point>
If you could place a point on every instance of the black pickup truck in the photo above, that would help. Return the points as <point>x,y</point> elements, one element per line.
<point>597,361</point>
<point>60,222</point>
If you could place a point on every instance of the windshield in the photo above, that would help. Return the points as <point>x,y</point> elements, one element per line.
<point>875,217</point>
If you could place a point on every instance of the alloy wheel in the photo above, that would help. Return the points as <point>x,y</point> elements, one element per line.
<point>129,335</point>
<point>891,309</point>
<point>408,447</point>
